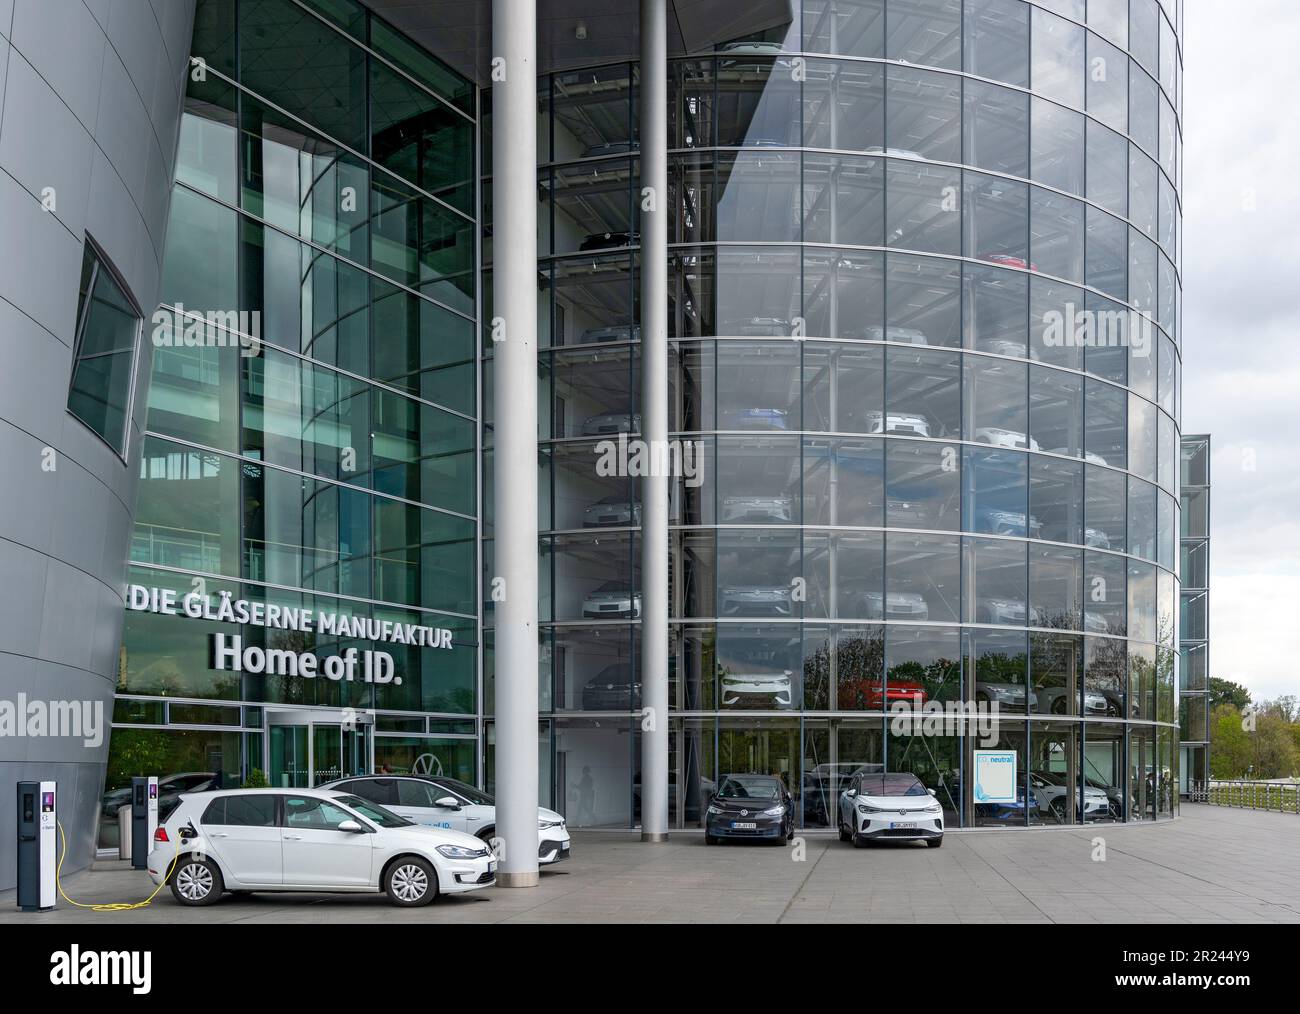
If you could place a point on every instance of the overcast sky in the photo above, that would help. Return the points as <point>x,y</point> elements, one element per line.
<point>1241,330</point>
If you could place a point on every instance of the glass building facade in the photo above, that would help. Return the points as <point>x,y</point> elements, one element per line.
<point>1194,618</point>
<point>924,334</point>
<point>924,371</point>
<point>322,452</point>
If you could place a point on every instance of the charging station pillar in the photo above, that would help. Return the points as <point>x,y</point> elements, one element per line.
<point>144,819</point>
<point>38,844</point>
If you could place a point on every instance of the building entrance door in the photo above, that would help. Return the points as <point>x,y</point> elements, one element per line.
<point>310,748</point>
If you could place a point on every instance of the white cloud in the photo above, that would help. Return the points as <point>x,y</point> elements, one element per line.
<point>1241,324</point>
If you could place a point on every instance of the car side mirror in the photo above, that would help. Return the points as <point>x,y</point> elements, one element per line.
<point>851,793</point>
<point>447,803</point>
<point>351,827</point>
<point>932,792</point>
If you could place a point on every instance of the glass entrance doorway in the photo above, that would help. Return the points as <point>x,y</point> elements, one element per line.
<point>309,748</point>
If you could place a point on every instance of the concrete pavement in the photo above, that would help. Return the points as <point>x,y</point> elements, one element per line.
<point>1212,865</point>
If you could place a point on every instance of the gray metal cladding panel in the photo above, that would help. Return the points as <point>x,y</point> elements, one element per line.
<point>67,51</point>
<point>33,110</point>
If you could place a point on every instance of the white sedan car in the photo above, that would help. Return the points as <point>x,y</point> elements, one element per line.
<point>438,801</point>
<point>243,840</point>
<point>1051,793</point>
<point>877,806</point>
<point>999,437</point>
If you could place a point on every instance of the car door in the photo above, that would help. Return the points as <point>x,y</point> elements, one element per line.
<point>418,801</point>
<point>315,852</point>
<point>244,837</point>
<point>414,801</point>
<point>473,817</point>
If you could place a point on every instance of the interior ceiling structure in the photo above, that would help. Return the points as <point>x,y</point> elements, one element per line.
<point>460,31</point>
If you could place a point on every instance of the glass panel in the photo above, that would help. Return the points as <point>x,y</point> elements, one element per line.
<point>1054,777</point>
<point>923,307</point>
<point>922,577</point>
<point>108,326</point>
<point>1107,84</point>
<point>923,211</point>
<point>995,213</point>
<point>844,294</point>
<point>418,138</point>
<point>843,482</point>
<point>1001,663</point>
<point>923,485</point>
<point>843,106</point>
<point>847,27</point>
<point>995,575</point>
<point>925,32</point>
<point>289,757</point>
<point>924,114</point>
<point>1058,58</point>
<point>300,64</point>
<point>1056,155</point>
<point>1107,168</point>
<point>996,128</point>
<point>758,103</point>
<point>1104,509</point>
<point>996,37</point>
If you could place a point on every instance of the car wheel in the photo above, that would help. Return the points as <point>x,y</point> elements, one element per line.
<point>709,839</point>
<point>858,841</point>
<point>1057,806</point>
<point>845,834</point>
<point>934,843</point>
<point>411,882</point>
<point>196,881</point>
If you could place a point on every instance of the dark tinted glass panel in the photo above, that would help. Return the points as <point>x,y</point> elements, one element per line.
<point>305,67</point>
<point>102,372</point>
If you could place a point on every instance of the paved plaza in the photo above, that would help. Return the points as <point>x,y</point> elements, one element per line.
<point>1212,865</point>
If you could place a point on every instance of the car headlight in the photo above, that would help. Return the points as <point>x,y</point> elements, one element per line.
<point>775,811</point>
<point>460,852</point>
<point>544,824</point>
<point>715,809</point>
<point>863,808</point>
<point>936,808</point>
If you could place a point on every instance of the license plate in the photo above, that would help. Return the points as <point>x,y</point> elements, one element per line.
<point>738,826</point>
<point>902,824</point>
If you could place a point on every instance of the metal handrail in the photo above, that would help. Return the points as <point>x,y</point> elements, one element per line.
<point>1249,794</point>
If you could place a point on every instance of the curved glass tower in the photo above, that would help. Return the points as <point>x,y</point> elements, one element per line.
<point>924,372</point>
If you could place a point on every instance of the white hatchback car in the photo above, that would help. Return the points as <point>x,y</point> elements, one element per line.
<point>877,806</point>
<point>438,801</point>
<point>244,840</point>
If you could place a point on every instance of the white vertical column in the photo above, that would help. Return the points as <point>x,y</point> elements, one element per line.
<point>514,248</point>
<point>654,418</point>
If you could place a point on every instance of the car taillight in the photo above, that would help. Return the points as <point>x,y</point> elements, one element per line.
<point>161,834</point>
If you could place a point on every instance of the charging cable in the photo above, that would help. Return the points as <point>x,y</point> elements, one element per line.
<point>118,906</point>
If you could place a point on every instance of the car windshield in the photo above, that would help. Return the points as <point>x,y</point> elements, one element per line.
<point>746,787</point>
<point>890,785</point>
<point>374,812</point>
<point>476,796</point>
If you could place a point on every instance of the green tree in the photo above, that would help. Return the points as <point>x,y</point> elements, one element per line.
<point>1275,751</point>
<point>1284,707</point>
<point>1227,692</point>
<point>1231,751</point>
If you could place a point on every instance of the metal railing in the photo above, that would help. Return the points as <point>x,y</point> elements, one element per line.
<point>1283,797</point>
